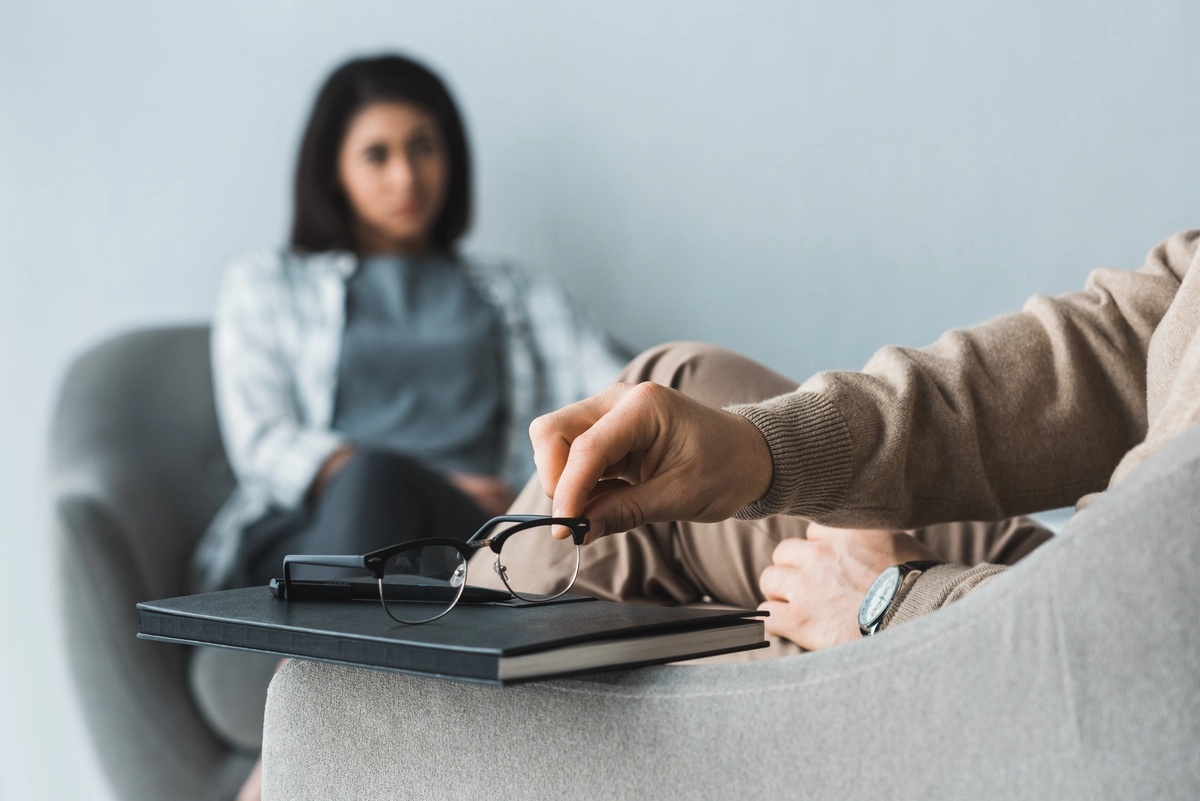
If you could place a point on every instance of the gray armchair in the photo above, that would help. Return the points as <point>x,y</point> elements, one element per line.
<point>1073,676</point>
<point>136,472</point>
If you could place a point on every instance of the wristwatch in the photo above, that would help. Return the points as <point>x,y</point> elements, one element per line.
<point>885,590</point>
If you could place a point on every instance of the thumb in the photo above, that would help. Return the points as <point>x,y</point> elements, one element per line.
<point>620,506</point>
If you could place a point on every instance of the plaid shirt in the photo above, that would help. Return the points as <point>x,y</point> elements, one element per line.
<point>276,345</point>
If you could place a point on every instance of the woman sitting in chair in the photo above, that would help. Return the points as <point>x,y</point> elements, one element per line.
<point>373,385</point>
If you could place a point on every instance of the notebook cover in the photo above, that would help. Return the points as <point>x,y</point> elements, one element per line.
<point>469,643</point>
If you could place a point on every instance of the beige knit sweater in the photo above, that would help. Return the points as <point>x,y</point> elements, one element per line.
<point>1030,411</point>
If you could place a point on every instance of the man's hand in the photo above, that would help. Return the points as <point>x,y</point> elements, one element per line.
<point>815,586</point>
<point>645,453</point>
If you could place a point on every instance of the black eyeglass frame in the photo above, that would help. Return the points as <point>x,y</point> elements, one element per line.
<point>375,561</point>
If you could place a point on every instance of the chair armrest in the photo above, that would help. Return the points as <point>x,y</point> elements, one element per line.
<point>1070,676</point>
<point>130,721</point>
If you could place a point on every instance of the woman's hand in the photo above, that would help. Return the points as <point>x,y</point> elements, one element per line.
<point>645,453</point>
<point>815,586</point>
<point>493,495</point>
<point>336,461</point>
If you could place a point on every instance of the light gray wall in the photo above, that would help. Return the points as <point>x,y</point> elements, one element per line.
<point>802,181</point>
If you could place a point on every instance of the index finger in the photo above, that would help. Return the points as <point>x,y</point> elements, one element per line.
<point>553,434</point>
<point>624,429</point>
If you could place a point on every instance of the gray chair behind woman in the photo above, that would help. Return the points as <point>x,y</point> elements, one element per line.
<point>136,471</point>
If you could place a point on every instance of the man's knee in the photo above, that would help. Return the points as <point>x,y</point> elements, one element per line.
<point>709,373</point>
<point>675,363</point>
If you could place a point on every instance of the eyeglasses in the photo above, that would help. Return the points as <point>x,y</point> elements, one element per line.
<point>422,580</point>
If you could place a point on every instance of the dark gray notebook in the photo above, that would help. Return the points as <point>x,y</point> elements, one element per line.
<point>486,642</point>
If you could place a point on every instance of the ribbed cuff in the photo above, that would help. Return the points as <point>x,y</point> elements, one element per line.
<point>810,455</point>
<point>937,587</point>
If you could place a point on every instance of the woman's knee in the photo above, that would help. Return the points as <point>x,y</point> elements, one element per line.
<point>371,484</point>
<point>370,465</point>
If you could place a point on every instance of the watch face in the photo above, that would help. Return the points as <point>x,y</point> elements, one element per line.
<point>878,597</point>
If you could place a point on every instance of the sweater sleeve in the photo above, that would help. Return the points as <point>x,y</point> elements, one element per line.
<point>936,588</point>
<point>1025,412</point>
<point>269,443</point>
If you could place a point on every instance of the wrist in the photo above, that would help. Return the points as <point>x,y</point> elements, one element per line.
<point>755,465</point>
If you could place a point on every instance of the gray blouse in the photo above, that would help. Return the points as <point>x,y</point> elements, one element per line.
<point>421,370</point>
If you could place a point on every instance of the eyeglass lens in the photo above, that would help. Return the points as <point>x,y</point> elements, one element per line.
<point>535,566</point>
<point>422,583</point>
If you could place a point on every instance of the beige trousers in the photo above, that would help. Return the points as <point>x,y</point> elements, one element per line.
<point>685,563</point>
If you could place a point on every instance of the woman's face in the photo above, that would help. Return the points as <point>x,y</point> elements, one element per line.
<point>394,168</point>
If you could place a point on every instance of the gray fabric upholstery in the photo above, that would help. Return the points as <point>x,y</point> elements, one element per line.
<point>1072,676</point>
<point>136,470</point>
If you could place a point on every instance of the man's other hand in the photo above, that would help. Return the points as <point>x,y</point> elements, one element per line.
<point>814,586</point>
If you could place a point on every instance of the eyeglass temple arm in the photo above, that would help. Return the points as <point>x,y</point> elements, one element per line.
<point>578,526</point>
<point>487,527</point>
<point>316,559</point>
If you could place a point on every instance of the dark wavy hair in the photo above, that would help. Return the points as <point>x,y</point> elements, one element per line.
<point>322,217</point>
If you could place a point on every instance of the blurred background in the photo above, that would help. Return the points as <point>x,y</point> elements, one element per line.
<point>800,181</point>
